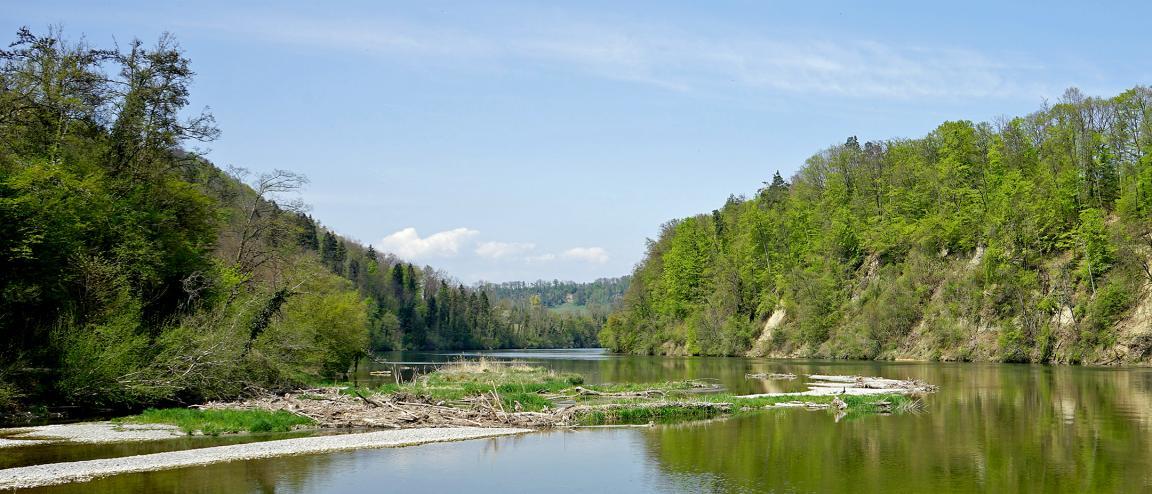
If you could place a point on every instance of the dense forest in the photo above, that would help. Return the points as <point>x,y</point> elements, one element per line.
<point>1024,240</point>
<point>602,293</point>
<point>136,272</point>
<point>414,308</point>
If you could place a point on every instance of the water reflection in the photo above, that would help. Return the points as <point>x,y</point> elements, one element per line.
<point>991,428</point>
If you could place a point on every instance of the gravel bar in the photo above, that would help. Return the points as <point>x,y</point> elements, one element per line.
<point>87,432</point>
<point>83,471</point>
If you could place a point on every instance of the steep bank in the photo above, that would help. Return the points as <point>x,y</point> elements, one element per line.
<point>1026,240</point>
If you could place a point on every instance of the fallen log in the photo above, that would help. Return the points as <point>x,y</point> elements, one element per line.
<point>647,393</point>
<point>366,400</point>
<point>770,376</point>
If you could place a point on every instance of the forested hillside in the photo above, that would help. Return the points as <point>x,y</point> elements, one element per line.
<point>1023,240</point>
<point>413,308</point>
<point>133,271</point>
<point>603,292</point>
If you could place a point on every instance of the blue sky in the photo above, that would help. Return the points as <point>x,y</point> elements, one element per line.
<point>518,140</point>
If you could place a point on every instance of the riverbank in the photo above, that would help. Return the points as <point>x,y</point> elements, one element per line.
<point>81,471</point>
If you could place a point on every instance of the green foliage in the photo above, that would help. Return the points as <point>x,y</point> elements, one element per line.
<point>603,292</point>
<point>1097,253</point>
<point>10,396</point>
<point>323,331</point>
<point>644,415</point>
<point>96,361</point>
<point>1110,302</point>
<point>135,272</point>
<point>974,241</point>
<point>216,422</point>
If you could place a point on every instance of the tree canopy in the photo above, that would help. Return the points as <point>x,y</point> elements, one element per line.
<point>1023,239</point>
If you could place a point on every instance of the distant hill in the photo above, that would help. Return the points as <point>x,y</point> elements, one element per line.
<point>603,292</point>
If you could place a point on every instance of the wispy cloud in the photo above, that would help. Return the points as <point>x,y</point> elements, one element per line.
<point>677,60</point>
<point>408,244</point>
<point>595,255</point>
<point>549,257</point>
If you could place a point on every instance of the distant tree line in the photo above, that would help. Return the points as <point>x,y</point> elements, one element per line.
<point>602,292</point>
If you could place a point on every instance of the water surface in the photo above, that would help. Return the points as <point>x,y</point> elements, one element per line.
<point>991,428</point>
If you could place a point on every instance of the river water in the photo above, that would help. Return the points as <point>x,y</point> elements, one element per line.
<point>991,428</point>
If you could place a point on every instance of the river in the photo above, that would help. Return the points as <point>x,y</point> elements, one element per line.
<point>991,428</point>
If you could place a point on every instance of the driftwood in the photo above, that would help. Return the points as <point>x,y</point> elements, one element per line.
<point>770,376</point>
<point>366,399</point>
<point>330,408</point>
<point>861,382</point>
<point>647,393</point>
<point>405,411</point>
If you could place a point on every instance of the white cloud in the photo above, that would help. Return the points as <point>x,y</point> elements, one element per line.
<point>587,254</point>
<point>498,250</point>
<point>407,243</point>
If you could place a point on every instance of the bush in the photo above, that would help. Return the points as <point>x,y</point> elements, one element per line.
<point>1014,344</point>
<point>101,364</point>
<point>9,396</point>
<point>323,330</point>
<point>1105,309</point>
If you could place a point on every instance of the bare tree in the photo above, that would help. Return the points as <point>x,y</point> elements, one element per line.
<point>263,225</point>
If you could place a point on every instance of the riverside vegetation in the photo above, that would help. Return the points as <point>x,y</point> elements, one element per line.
<point>1025,240</point>
<point>135,272</point>
<point>509,394</point>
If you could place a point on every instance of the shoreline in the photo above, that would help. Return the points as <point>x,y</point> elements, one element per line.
<point>83,471</point>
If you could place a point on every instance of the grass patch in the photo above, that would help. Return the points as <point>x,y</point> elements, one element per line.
<point>642,411</point>
<point>216,422</point>
<point>645,415</point>
<point>529,402</point>
<point>668,387</point>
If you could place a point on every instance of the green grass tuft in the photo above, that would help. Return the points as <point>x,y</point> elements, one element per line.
<point>216,422</point>
<point>645,415</point>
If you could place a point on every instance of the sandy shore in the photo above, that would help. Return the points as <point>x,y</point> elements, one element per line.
<point>81,471</point>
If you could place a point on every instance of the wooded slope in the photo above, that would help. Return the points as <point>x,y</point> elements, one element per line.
<point>1027,239</point>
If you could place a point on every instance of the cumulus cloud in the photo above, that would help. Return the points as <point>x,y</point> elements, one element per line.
<point>499,250</point>
<point>408,244</point>
<point>587,254</point>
